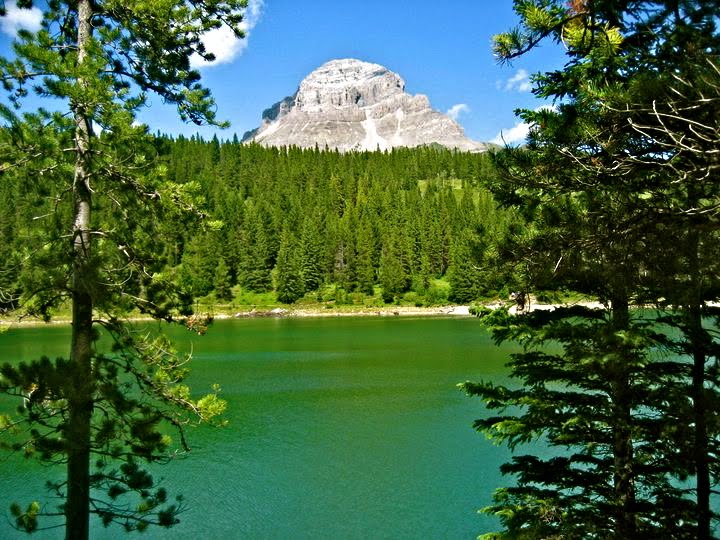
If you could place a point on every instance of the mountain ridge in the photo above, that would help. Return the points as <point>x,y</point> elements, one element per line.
<point>348,104</point>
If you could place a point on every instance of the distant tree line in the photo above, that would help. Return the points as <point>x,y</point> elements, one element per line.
<point>291,220</point>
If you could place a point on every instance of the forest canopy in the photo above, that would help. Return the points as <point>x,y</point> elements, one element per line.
<point>417,225</point>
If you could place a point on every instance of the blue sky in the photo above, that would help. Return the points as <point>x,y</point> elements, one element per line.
<point>441,49</point>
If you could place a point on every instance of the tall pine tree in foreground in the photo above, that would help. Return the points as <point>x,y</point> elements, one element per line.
<point>101,208</point>
<point>623,167</point>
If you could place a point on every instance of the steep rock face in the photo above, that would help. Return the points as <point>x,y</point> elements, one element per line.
<point>353,105</point>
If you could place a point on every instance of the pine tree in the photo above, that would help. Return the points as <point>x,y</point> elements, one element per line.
<point>608,179</point>
<point>393,278</point>
<point>365,251</point>
<point>256,256</point>
<point>289,285</point>
<point>311,249</point>
<point>98,59</point>
<point>463,273</point>
<point>9,263</point>
<point>605,477</point>
<point>199,264</point>
<point>346,252</point>
<point>221,283</point>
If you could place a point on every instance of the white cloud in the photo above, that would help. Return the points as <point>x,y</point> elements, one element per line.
<point>454,111</point>
<point>519,82</point>
<point>519,132</point>
<point>223,43</point>
<point>16,18</point>
<point>516,134</point>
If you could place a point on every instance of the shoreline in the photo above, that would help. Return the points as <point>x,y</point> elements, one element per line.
<point>289,312</point>
<point>394,311</point>
<point>319,312</point>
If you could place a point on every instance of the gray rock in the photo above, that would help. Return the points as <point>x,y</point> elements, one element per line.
<point>353,105</point>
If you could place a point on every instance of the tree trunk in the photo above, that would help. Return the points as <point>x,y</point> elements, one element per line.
<point>80,398</point>
<point>697,341</point>
<point>700,446</point>
<point>623,471</point>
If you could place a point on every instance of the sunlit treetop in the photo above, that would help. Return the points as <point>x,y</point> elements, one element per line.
<point>602,27</point>
<point>610,40</point>
<point>139,45</point>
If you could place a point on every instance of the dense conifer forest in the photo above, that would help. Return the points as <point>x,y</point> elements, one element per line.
<point>416,226</point>
<point>614,196</point>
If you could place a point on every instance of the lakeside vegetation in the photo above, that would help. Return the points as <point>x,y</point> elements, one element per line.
<point>412,226</point>
<point>615,197</point>
<point>619,185</point>
<point>336,226</point>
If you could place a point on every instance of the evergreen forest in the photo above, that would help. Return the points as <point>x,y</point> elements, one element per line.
<point>614,198</point>
<point>412,226</point>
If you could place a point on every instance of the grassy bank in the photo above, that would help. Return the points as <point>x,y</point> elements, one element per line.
<point>329,301</point>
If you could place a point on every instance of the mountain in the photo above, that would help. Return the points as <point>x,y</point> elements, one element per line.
<point>353,105</point>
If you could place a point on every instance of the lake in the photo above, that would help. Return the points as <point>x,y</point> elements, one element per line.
<point>339,428</point>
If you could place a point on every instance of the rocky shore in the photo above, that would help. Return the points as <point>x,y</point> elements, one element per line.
<point>393,311</point>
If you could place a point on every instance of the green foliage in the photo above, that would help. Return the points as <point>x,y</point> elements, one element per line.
<point>128,426</point>
<point>365,253</point>
<point>373,197</point>
<point>200,263</point>
<point>248,209</point>
<point>289,282</point>
<point>463,274</point>
<point>311,254</point>
<point>437,293</point>
<point>26,520</point>
<point>393,276</point>
<point>573,365</point>
<point>256,258</point>
<point>96,228</point>
<point>607,177</point>
<point>222,284</point>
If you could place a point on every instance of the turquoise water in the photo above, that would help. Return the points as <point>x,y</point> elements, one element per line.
<point>339,428</point>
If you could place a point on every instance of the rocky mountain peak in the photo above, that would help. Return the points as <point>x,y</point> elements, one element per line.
<point>347,83</point>
<point>349,104</point>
